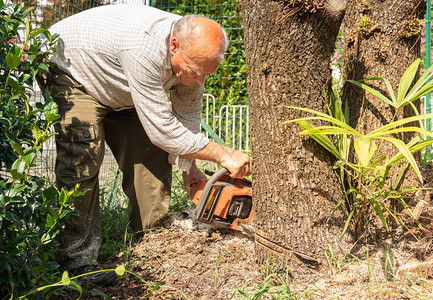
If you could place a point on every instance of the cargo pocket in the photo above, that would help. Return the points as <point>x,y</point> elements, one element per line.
<point>78,152</point>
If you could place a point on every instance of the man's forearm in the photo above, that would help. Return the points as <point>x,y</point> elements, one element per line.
<point>212,152</point>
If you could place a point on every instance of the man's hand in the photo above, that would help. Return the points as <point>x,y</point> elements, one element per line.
<point>192,180</point>
<point>238,163</point>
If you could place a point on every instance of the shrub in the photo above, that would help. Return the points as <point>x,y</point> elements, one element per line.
<point>31,209</point>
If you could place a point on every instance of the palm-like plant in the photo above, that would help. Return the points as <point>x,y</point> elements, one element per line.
<point>367,172</point>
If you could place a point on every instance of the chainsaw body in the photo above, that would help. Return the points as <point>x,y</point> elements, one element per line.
<point>224,201</point>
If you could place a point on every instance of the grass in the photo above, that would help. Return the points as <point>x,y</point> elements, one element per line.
<point>274,285</point>
<point>219,259</point>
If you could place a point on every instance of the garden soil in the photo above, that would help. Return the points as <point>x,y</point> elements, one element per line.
<point>186,260</point>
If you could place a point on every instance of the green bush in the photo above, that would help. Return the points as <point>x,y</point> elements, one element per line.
<point>31,210</point>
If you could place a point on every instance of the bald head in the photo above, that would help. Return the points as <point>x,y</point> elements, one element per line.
<point>201,37</point>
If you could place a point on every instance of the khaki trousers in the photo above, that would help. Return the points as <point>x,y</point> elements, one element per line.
<point>84,126</point>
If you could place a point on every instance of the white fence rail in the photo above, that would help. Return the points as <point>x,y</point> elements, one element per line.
<point>229,122</point>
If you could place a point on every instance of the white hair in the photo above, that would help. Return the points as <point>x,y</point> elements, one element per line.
<point>185,30</point>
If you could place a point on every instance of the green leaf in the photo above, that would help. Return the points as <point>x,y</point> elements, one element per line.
<point>25,12</point>
<point>323,117</point>
<point>425,77</point>
<point>407,129</point>
<point>418,146</point>
<point>51,265</point>
<point>379,212</point>
<point>400,176</point>
<point>12,250</point>
<point>17,148</point>
<point>37,32</point>
<point>51,112</point>
<point>37,132</point>
<point>12,60</point>
<point>43,67</point>
<point>406,80</point>
<point>363,150</point>
<point>324,141</point>
<point>63,197</point>
<point>17,169</point>
<point>120,270</point>
<point>388,86</point>
<point>49,194</point>
<point>50,221</point>
<point>65,278</point>
<point>28,27</point>
<point>5,122</point>
<point>11,217</point>
<point>421,92</point>
<point>328,130</point>
<point>349,217</point>
<point>30,58</point>
<point>405,151</point>
<point>373,91</point>
<point>378,132</point>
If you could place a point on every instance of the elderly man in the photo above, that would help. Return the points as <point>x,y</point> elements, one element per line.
<point>116,64</point>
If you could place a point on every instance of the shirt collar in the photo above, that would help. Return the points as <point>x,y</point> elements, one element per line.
<point>167,62</point>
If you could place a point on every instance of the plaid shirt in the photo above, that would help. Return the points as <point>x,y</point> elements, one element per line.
<point>120,54</point>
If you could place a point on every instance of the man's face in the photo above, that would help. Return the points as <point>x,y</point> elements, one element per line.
<point>188,71</point>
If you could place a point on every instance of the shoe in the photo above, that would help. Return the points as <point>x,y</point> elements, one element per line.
<point>105,278</point>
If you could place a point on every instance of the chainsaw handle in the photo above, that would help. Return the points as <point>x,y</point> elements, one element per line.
<point>217,175</point>
<point>202,203</point>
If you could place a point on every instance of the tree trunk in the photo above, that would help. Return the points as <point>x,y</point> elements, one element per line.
<point>288,53</point>
<point>378,42</point>
<point>382,38</point>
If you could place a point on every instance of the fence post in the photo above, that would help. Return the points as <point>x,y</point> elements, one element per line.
<point>427,65</point>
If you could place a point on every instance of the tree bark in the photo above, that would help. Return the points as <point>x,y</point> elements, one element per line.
<point>378,42</point>
<point>382,38</point>
<point>295,189</point>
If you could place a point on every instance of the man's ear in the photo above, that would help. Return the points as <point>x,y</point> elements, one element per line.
<point>174,45</point>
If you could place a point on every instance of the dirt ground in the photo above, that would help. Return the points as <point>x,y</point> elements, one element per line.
<point>184,259</point>
<point>187,260</point>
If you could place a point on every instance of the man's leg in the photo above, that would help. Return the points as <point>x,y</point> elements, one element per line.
<point>80,150</point>
<point>146,170</point>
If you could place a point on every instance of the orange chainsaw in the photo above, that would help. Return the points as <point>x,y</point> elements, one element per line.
<point>224,201</point>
